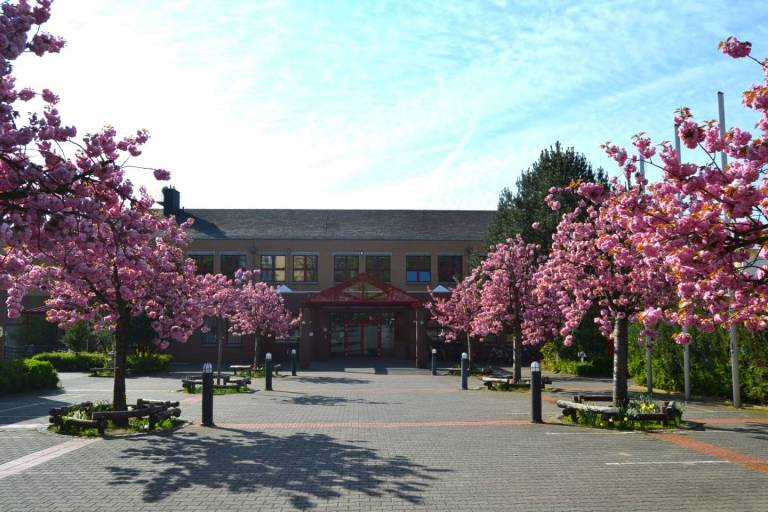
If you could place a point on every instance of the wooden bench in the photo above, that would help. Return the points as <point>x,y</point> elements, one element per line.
<point>669,410</point>
<point>508,382</point>
<point>230,382</point>
<point>249,370</point>
<point>96,372</point>
<point>155,411</point>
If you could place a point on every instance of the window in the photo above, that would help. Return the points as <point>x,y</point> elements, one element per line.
<point>378,268</point>
<point>345,267</point>
<point>232,339</point>
<point>209,338</point>
<point>418,269</point>
<point>305,268</point>
<point>230,263</point>
<point>273,268</point>
<point>203,262</point>
<point>449,268</point>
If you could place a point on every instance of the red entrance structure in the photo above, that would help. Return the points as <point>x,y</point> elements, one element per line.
<point>361,316</point>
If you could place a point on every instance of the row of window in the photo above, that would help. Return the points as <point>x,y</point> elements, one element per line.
<point>418,268</point>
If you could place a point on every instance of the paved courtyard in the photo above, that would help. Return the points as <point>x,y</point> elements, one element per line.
<point>377,437</point>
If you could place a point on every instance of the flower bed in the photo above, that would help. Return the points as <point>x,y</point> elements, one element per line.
<point>641,413</point>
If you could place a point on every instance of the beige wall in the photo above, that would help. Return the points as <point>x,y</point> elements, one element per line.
<point>326,249</point>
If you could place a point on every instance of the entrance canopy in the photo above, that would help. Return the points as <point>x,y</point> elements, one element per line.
<point>363,290</point>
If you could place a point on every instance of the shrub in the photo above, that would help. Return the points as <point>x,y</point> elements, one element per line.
<point>596,366</point>
<point>19,375</point>
<point>710,363</point>
<point>73,362</point>
<point>149,363</point>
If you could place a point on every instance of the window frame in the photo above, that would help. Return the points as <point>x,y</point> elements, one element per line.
<point>223,255</point>
<point>460,275</point>
<point>274,268</point>
<point>305,269</point>
<point>419,272</point>
<point>194,254</point>
<point>346,271</point>
<point>376,269</point>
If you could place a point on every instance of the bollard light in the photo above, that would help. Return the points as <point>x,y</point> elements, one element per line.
<point>536,392</point>
<point>293,362</point>
<point>464,370</point>
<point>207,395</point>
<point>434,361</point>
<point>434,351</point>
<point>268,371</point>
<point>293,351</point>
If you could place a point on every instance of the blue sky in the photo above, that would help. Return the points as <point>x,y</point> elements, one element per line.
<point>386,104</point>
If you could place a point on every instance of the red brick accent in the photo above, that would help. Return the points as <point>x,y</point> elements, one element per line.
<point>714,451</point>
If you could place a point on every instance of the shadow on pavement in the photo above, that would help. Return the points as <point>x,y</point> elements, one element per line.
<point>19,408</point>
<point>329,400</point>
<point>308,467</point>
<point>330,380</point>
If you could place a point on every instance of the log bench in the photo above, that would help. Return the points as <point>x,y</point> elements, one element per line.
<point>154,410</point>
<point>669,410</point>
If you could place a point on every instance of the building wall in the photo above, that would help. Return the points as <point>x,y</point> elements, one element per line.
<point>326,249</point>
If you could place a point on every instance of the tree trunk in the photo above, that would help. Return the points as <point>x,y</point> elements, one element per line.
<point>469,351</point>
<point>620,371</point>
<point>218,355</point>
<point>119,401</point>
<point>517,353</point>
<point>256,350</point>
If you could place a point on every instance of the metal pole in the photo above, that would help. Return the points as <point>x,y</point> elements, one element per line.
<point>464,370</point>
<point>536,393</point>
<point>434,361</point>
<point>733,332</point>
<point>208,395</point>
<point>648,343</point>
<point>218,356</point>
<point>686,348</point>
<point>293,362</point>
<point>416,316</point>
<point>268,371</point>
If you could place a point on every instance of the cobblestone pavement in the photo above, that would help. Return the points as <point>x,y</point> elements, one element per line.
<point>378,438</point>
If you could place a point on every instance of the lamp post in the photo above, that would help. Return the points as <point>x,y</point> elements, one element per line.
<point>417,323</point>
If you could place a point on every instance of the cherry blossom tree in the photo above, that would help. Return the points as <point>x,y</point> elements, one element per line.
<point>456,313</point>
<point>48,178</point>
<point>594,263</point>
<point>506,293</point>
<point>709,218</point>
<point>130,264</point>
<point>246,307</point>
<point>260,311</point>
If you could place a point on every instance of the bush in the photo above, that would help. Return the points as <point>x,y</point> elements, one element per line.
<point>74,362</point>
<point>149,363</point>
<point>710,363</point>
<point>19,375</point>
<point>596,366</point>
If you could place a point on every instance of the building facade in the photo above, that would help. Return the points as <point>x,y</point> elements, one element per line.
<point>359,278</point>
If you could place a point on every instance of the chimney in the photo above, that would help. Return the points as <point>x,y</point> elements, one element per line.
<point>171,201</point>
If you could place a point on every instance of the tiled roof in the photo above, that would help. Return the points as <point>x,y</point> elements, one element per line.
<point>337,224</point>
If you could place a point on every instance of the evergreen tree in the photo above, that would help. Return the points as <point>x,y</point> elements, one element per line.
<point>556,167</point>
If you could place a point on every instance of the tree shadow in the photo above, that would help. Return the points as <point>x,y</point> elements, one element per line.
<point>29,406</point>
<point>329,400</point>
<point>307,467</point>
<point>330,380</point>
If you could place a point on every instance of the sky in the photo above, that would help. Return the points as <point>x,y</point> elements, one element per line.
<point>413,104</point>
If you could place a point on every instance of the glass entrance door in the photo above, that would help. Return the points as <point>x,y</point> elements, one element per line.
<point>362,334</point>
<point>371,338</point>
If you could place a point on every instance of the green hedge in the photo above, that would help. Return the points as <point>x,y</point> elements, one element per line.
<point>19,375</point>
<point>74,362</point>
<point>710,363</point>
<point>554,360</point>
<point>149,363</point>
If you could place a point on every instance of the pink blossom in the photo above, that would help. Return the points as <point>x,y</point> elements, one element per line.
<point>735,48</point>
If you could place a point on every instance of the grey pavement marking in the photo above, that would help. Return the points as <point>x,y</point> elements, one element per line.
<point>34,459</point>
